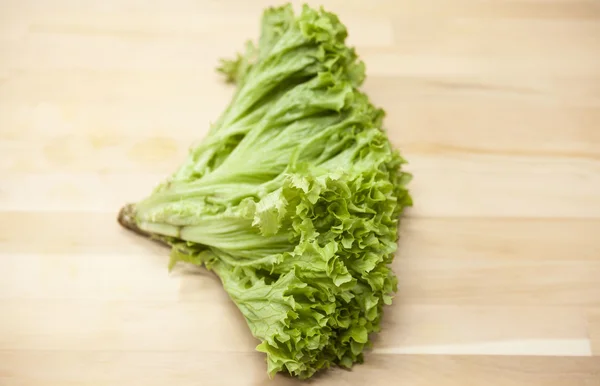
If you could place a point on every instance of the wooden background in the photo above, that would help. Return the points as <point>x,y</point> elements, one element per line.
<point>496,104</point>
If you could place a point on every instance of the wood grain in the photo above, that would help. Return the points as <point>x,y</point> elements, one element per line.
<point>594,330</point>
<point>496,104</point>
<point>159,368</point>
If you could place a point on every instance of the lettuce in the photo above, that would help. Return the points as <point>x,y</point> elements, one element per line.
<point>293,198</point>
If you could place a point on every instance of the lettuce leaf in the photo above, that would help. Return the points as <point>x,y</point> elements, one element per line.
<point>294,197</point>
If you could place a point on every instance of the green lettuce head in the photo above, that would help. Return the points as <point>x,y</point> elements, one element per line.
<point>294,197</point>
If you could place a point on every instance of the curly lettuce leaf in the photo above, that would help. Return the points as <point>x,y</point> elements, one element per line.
<point>294,197</point>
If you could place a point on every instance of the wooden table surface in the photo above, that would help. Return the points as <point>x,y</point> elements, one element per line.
<point>496,104</point>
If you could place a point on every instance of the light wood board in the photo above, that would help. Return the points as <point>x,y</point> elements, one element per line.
<point>496,104</point>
